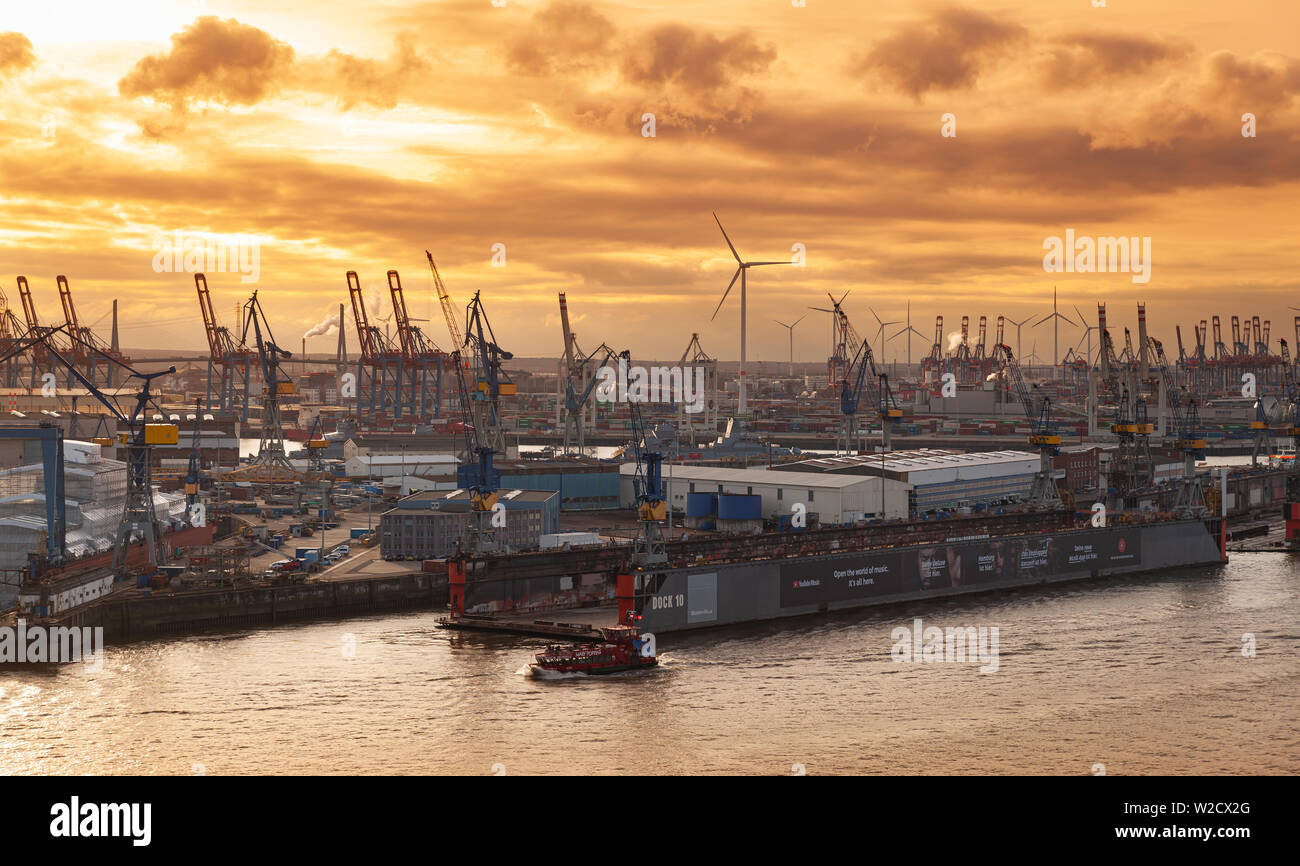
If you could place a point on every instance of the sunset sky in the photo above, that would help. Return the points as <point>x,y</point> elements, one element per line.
<point>353,136</point>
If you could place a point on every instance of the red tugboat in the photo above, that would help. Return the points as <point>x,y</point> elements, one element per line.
<point>624,648</point>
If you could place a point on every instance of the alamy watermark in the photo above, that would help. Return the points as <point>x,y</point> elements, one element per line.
<point>933,644</point>
<point>1085,255</point>
<point>192,253</point>
<point>39,644</point>
<point>636,384</point>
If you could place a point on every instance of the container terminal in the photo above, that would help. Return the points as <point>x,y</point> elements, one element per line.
<point>255,484</point>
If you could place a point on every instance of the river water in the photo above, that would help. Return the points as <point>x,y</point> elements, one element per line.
<point>1139,674</point>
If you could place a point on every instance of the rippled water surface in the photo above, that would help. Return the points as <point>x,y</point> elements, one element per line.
<point>1143,675</point>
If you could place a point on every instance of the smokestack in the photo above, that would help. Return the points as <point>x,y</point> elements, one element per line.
<point>343,343</point>
<point>116,346</point>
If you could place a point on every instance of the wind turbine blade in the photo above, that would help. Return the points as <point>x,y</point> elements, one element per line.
<point>758,264</point>
<point>727,239</point>
<point>1046,318</point>
<point>800,319</point>
<point>821,309</point>
<point>872,311</point>
<point>727,292</point>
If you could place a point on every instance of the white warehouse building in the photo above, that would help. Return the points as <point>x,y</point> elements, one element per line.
<point>834,498</point>
<point>397,465</point>
<point>938,478</point>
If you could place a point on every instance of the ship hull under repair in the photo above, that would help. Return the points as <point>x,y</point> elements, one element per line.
<point>703,596</point>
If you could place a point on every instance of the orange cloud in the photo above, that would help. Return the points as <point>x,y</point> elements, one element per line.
<point>563,37</point>
<point>1083,59</point>
<point>222,61</point>
<point>674,54</point>
<point>947,52</point>
<point>15,54</point>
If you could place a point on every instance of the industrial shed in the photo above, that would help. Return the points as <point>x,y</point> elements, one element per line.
<point>835,498</point>
<point>938,478</point>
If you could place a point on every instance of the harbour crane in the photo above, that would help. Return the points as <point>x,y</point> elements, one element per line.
<point>1132,469</point>
<point>491,382</point>
<point>1043,493</point>
<point>419,353</point>
<point>862,376</point>
<point>480,533</point>
<point>192,474</point>
<point>316,446</point>
<point>138,513</point>
<point>648,549</point>
<point>444,299</point>
<point>230,362</point>
<point>1190,498</point>
<point>84,339</point>
<point>271,465</point>
<point>574,402</point>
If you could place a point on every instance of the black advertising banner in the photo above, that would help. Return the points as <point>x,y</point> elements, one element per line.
<point>956,564</point>
<point>840,579</point>
<point>1098,550</point>
<point>1034,557</point>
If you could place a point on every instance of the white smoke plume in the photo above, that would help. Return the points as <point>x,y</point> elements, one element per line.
<point>375,306</point>
<point>954,340</point>
<point>324,326</point>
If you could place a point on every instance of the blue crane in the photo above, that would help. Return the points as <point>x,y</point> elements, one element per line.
<point>490,379</point>
<point>651,509</point>
<point>483,477</point>
<point>861,376</point>
<point>138,513</point>
<point>573,401</point>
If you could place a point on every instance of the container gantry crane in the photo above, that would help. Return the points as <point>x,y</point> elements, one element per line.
<point>421,360</point>
<point>229,363</point>
<point>104,358</point>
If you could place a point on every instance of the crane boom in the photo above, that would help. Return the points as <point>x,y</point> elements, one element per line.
<point>448,311</point>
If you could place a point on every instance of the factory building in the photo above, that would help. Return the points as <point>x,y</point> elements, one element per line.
<point>94,489</point>
<point>583,485</point>
<point>431,524</point>
<point>938,479</point>
<point>836,499</point>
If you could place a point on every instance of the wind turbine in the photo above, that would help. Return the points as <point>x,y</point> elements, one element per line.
<point>909,330</point>
<point>836,337</point>
<point>880,332</point>
<point>1033,357</point>
<point>1056,318</point>
<point>790,328</point>
<point>742,267</point>
<point>1018,326</point>
<point>1088,329</point>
